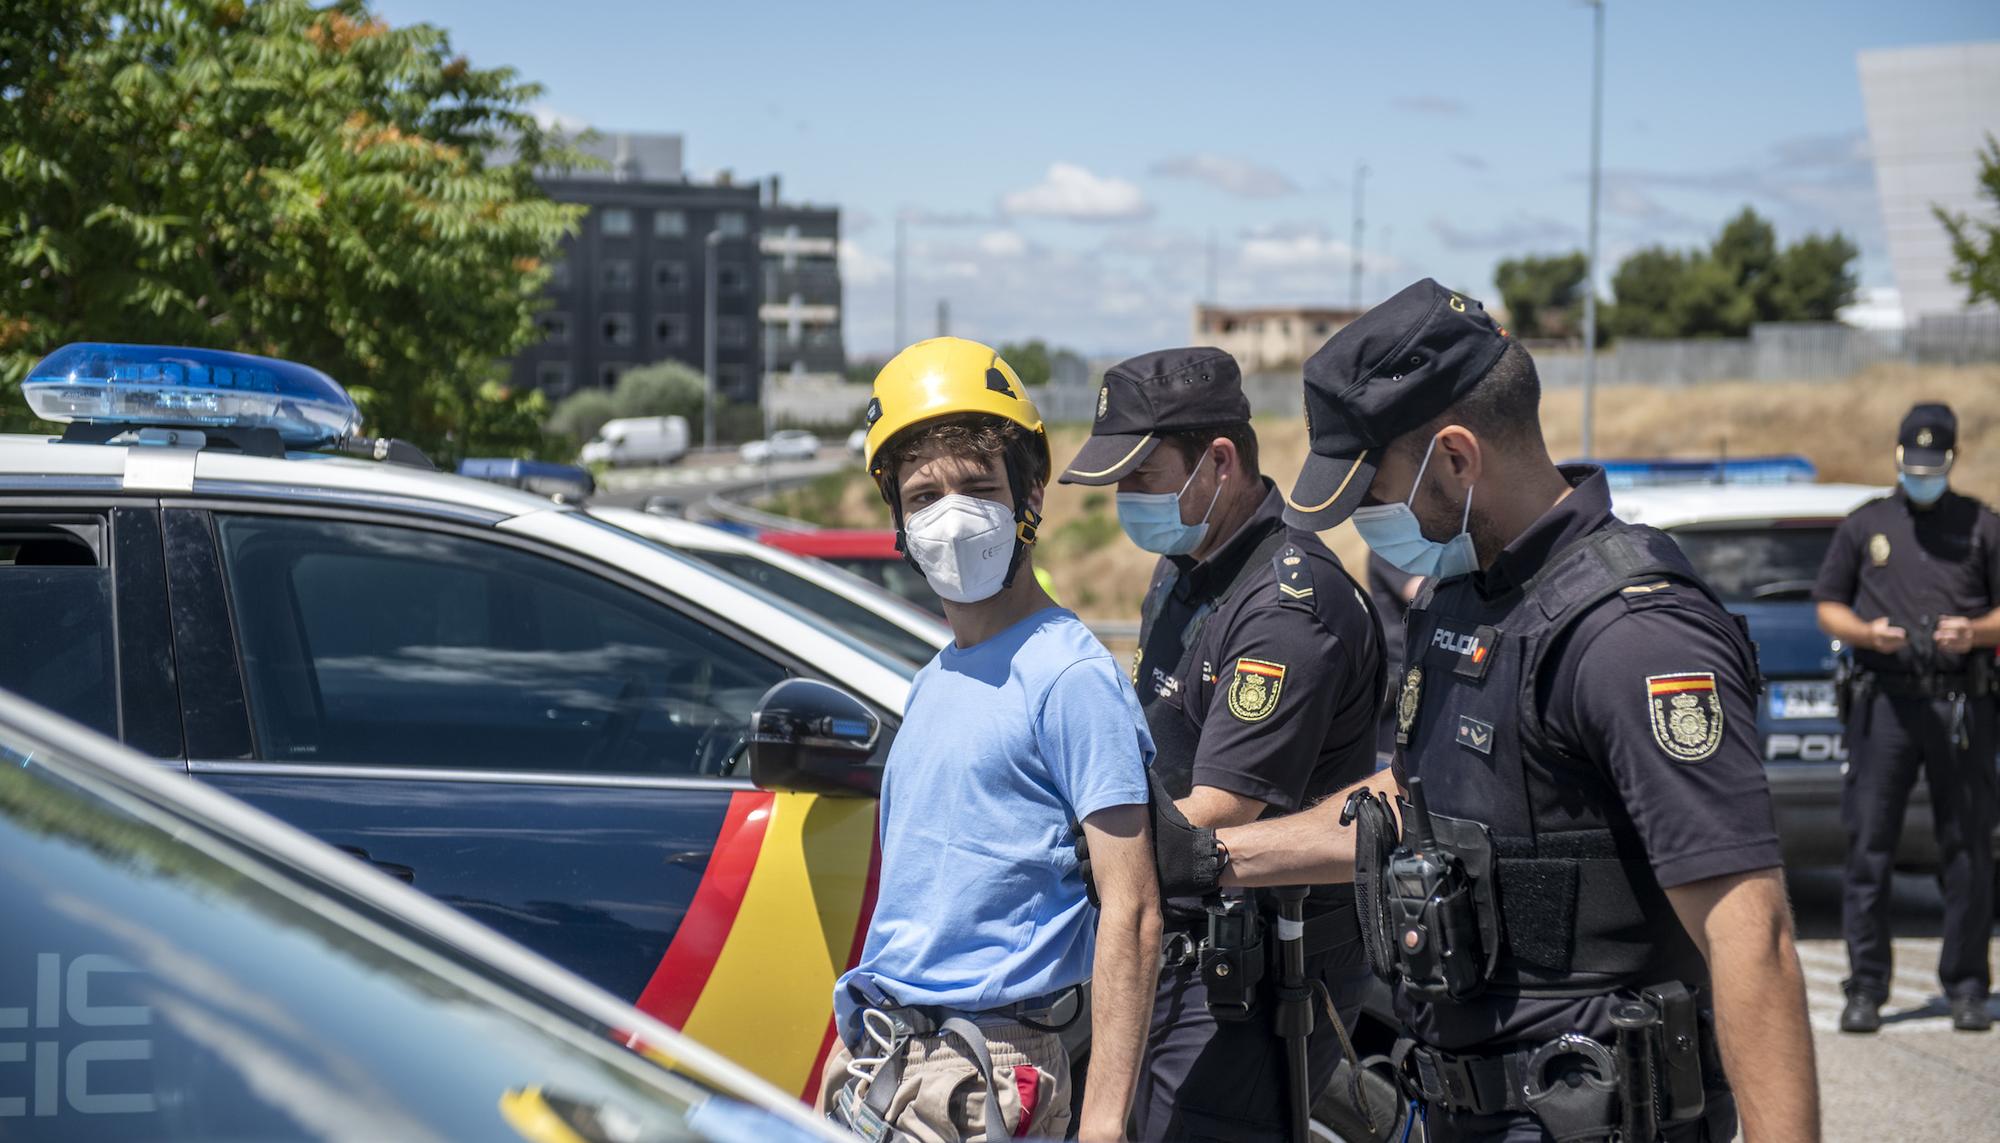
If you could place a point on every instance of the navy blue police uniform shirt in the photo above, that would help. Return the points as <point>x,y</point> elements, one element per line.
<point>1280,687</point>
<point>1891,558</point>
<point>1693,820</point>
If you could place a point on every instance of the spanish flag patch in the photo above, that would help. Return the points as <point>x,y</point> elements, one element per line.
<point>1686,714</point>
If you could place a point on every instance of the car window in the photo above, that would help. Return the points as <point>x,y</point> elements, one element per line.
<point>824,604</point>
<point>56,617</point>
<point>158,982</point>
<point>895,576</point>
<point>380,645</point>
<point>1757,563</point>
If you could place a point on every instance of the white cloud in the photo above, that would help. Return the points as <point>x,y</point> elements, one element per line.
<point>1235,176</point>
<point>552,120</point>
<point>1003,243</point>
<point>860,268</point>
<point>1073,192</point>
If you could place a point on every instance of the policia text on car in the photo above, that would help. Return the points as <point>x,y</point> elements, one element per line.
<point>1910,583</point>
<point>1586,922</point>
<point>1260,670</point>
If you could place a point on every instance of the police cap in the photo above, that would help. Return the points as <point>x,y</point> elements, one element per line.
<point>1167,391</point>
<point>1388,372</point>
<point>1925,442</point>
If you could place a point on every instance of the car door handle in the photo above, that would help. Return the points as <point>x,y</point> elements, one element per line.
<point>403,873</point>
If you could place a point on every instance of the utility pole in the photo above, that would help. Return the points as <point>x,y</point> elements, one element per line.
<point>900,220</point>
<point>944,317</point>
<point>1354,276</point>
<point>1590,273</point>
<point>708,342</point>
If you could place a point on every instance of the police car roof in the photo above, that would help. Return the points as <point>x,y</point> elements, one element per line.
<point>1681,505</point>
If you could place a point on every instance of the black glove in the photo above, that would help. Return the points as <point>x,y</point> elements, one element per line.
<point>1187,857</point>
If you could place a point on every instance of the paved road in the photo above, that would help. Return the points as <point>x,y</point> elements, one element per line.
<point>698,477</point>
<point>1915,1079</point>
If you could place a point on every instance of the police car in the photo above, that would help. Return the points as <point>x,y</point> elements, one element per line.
<point>843,599</point>
<point>178,966</point>
<point>517,707</point>
<point>1757,530</point>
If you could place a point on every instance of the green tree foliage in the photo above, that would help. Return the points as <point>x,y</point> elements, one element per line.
<point>1543,295</point>
<point>662,389</point>
<point>305,182</point>
<point>1743,278</point>
<point>1975,243</point>
<point>1030,360</point>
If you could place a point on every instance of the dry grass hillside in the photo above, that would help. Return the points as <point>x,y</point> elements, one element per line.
<point>1847,429</point>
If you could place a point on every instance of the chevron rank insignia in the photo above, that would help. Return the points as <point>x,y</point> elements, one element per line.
<point>1253,690</point>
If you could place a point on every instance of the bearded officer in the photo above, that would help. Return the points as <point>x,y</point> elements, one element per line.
<point>1910,582</point>
<point>1260,671</point>
<point>1588,931</point>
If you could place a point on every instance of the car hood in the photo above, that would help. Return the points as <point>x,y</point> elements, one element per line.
<point>1789,641</point>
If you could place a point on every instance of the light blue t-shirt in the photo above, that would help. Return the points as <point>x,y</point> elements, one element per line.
<point>1003,744</point>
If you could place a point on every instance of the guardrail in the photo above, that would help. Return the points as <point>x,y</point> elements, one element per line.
<point>720,504</point>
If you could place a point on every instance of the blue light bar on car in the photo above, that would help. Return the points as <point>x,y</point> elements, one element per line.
<point>1654,473</point>
<point>544,478</point>
<point>140,385</point>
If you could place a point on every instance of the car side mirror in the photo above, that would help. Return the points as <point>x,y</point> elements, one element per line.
<point>813,738</point>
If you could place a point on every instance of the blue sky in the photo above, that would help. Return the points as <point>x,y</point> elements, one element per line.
<point>1065,164</point>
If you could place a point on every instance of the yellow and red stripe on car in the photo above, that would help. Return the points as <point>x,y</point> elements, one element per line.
<point>780,913</point>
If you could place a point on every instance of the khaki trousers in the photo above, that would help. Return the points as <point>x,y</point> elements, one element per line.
<point>942,1098</point>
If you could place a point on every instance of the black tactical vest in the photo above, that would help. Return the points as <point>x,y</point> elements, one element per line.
<point>1570,905</point>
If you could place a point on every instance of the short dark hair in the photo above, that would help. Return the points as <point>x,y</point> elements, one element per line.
<point>1192,443</point>
<point>1504,407</point>
<point>966,434</point>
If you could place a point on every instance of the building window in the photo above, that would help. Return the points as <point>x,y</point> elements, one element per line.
<point>670,223</point>
<point>555,328</point>
<point>671,277</point>
<point>732,224</point>
<point>559,275</point>
<point>732,332</point>
<point>614,222</point>
<point>617,329</point>
<point>731,279</point>
<point>609,372</point>
<point>670,329</point>
<point>617,274</point>
<point>552,376</point>
<point>729,377</point>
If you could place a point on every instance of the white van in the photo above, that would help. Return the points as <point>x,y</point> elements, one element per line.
<point>638,440</point>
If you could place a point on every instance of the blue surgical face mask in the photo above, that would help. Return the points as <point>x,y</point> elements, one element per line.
<point>1393,532</point>
<point>1153,519</point>
<point>1922,490</point>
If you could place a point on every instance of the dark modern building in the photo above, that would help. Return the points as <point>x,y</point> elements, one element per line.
<point>630,289</point>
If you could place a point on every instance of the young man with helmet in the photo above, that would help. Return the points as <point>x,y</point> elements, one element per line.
<point>1020,730</point>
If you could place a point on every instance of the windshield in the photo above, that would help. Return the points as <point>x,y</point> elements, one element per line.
<point>827,604</point>
<point>1757,563</point>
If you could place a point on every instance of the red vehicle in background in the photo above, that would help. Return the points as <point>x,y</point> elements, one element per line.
<point>868,553</point>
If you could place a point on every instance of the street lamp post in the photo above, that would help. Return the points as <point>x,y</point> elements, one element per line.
<point>708,341</point>
<point>1590,273</point>
<point>1354,254</point>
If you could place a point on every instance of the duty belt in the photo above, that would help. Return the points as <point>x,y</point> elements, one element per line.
<point>1324,933</point>
<point>1909,684</point>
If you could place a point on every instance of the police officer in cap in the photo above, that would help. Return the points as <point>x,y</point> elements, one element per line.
<point>1260,671</point>
<point>1910,582</point>
<point>1584,914</point>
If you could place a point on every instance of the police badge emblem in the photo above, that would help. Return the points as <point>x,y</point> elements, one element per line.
<point>1924,438</point>
<point>1406,705</point>
<point>1686,714</point>
<point>1103,401</point>
<point>1253,691</point>
<point>1878,549</point>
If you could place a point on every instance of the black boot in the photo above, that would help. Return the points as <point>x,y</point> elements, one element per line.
<point>1968,1014</point>
<point>1862,1014</point>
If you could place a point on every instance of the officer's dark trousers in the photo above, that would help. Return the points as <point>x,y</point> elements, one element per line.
<point>1889,744</point>
<point>1225,1080</point>
<point>1716,1125</point>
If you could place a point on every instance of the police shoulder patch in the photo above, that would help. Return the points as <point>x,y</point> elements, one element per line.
<point>1686,714</point>
<point>1253,690</point>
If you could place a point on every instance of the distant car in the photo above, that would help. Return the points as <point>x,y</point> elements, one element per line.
<point>568,483</point>
<point>786,444</point>
<point>857,442</point>
<point>820,590</point>
<point>868,553</point>
<point>1760,545</point>
<point>197,970</point>
<point>638,441</point>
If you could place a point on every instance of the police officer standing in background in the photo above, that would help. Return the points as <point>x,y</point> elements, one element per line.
<point>1259,670</point>
<point>1588,927</point>
<point>1911,582</point>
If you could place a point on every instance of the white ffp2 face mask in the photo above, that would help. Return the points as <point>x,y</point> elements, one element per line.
<point>963,546</point>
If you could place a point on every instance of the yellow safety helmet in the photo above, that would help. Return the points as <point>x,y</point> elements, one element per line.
<point>940,377</point>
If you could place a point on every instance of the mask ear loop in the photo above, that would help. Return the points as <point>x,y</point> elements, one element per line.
<point>1211,500</point>
<point>1411,499</point>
